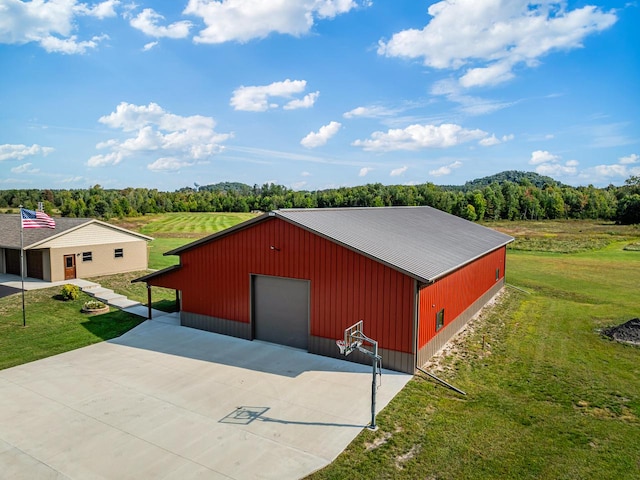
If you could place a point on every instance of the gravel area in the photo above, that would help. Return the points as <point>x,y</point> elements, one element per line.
<point>628,332</point>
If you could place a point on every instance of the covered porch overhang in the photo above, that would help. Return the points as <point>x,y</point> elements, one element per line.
<point>161,278</point>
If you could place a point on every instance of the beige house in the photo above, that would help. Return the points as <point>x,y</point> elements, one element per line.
<point>76,248</point>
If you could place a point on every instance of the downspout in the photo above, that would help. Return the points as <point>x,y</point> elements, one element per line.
<point>448,385</point>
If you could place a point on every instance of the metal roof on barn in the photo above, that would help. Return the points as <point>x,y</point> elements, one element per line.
<point>423,242</point>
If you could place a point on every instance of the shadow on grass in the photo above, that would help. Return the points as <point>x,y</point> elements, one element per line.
<point>111,325</point>
<point>168,306</point>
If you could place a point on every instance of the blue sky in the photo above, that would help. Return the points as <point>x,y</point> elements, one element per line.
<point>315,94</point>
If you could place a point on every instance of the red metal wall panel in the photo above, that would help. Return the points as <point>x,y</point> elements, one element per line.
<point>456,292</point>
<point>345,286</point>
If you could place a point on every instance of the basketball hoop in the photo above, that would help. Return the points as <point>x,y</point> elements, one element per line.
<point>354,337</point>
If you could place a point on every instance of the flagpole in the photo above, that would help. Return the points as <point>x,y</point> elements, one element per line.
<point>24,315</point>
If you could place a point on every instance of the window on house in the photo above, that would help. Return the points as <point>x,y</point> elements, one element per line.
<point>87,256</point>
<point>497,274</point>
<point>439,319</point>
<point>118,253</point>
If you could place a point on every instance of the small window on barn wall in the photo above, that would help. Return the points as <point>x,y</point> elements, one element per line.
<point>439,319</point>
<point>87,256</point>
<point>497,274</point>
<point>118,253</point>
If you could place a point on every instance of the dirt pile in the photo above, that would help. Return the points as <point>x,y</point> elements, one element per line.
<point>628,332</point>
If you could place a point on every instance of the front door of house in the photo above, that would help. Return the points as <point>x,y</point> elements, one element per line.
<point>69,267</point>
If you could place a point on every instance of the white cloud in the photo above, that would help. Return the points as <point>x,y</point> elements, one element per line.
<point>25,168</point>
<point>305,174</point>
<point>151,129</point>
<point>493,140</point>
<point>72,179</point>
<point>489,141</point>
<point>149,46</point>
<point>147,22</point>
<point>469,104</point>
<point>364,171</point>
<point>298,185</point>
<point>322,136</point>
<point>623,169</point>
<point>445,169</point>
<point>244,20</point>
<point>369,112</point>
<point>491,37</point>
<point>258,98</point>
<point>616,170</point>
<point>305,102</point>
<point>398,171</point>
<point>112,158</point>
<point>51,24</point>
<point>415,137</point>
<point>101,10</point>
<point>492,75</point>
<point>557,169</point>
<point>633,158</point>
<point>18,152</point>
<point>549,164</point>
<point>542,156</point>
<point>70,45</point>
<point>168,164</point>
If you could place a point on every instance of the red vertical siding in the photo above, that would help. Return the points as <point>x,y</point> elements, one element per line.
<point>345,286</point>
<point>456,292</point>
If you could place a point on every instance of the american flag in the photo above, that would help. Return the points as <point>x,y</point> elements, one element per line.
<point>31,219</point>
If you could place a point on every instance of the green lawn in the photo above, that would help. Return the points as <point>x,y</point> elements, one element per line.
<point>159,246</point>
<point>547,398</point>
<point>53,326</point>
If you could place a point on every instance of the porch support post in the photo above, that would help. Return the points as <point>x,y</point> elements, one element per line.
<point>149,300</point>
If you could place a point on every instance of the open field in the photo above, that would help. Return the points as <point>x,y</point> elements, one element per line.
<point>564,236</point>
<point>548,397</point>
<point>172,230</point>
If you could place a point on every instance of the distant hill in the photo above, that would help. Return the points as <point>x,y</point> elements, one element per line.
<point>514,176</point>
<point>235,187</point>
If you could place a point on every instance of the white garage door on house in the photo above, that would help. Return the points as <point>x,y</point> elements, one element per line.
<point>281,310</point>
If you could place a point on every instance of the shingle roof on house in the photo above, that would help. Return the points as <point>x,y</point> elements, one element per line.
<point>423,242</point>
<point>10,230</point>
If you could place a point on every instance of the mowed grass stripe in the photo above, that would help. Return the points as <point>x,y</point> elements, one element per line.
<point>201,224</point>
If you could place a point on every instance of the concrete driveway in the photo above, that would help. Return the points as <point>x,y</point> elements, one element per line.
<point>165,401</point>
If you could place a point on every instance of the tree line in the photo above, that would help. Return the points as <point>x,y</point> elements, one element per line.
<point>524,197</point>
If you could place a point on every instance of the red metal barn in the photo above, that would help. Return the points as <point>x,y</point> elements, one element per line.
<point>299,277</point>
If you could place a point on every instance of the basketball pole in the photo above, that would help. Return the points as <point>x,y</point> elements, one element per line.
<point>374,362</point>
